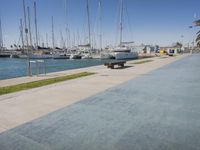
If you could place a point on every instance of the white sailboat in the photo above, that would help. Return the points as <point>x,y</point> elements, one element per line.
<point>86,50</point>
<point>3,51</point>
<point>76,56</point>
<point>122,51</point>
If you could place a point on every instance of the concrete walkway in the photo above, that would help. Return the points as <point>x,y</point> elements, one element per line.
<point>157,111</point>
<point>21,107</point>
<point>97,69</point>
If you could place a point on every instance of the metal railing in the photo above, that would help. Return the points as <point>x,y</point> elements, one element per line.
<point>40,67</point>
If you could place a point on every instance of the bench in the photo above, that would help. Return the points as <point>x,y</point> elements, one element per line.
<point>112,64</point>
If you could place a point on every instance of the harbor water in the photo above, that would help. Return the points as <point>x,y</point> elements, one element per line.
<point>12,68</point>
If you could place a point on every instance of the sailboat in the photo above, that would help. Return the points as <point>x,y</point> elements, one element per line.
<point>1,37</point>
<point>122,51</point>
<point>3,51</point>
<point>57,52</point>
<point>86,50</point>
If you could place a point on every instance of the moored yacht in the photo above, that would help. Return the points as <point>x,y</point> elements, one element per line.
<point>120,53</point>
<point>75,56</point>
<point>61,56</point>
<point>123,51</point>
<point>86,56</point>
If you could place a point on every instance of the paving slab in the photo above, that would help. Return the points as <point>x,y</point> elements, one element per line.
<point>157,111</point>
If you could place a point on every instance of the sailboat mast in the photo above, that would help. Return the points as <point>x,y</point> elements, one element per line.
<point>100,24</point>
<point>68,44</point>
<point>47,39</point>
<point>1,36</point>
<point>62,42</point>
<point>21,33</point>
<point>36,30</point>
<point>29,24</point>
<point>26,29</point>
<point>78,38</point>
<point>121,20</point>
<point>88,17</point>
<point>53,40</point>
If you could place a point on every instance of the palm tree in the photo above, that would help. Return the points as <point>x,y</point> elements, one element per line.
<point>197,23</point>
<point>198,40</point>
<point>178,45</point>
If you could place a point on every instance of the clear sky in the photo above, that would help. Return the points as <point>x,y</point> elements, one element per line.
<point>160,22</point>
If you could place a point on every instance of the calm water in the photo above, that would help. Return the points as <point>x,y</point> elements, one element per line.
<point>12,68</point>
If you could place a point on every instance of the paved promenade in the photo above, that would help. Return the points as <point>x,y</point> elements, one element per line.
<point>152,110</point>
<point>25,106</point>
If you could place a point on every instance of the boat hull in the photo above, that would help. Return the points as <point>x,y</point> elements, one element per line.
<point>4,56</point>
<point>125,55</point>
<point>107,56</point>
<point>61,57</point>
<point>75,57</point>
<point>40,57</point>
<point>87,56</point>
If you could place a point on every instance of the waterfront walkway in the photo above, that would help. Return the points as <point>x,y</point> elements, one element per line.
<point>159,110</point>
<point>21,107</point>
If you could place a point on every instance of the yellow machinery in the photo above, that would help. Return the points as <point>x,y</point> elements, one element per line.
<point>162,51</point>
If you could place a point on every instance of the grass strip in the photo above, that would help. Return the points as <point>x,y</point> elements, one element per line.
<point>40,83</point>
<point>163,57</point>
<point>142,62</point>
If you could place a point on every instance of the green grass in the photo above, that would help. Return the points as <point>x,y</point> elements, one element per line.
<point>163,57</point>
<point>40,83</point>
<point>142,62</point>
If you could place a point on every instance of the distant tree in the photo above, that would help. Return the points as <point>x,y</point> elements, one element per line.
<point>197,22</point>
<point>178,45</point>
<point>198,43</point>
<point>198,40</point>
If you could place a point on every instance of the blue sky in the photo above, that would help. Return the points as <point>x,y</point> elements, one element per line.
<point>160,22</point>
